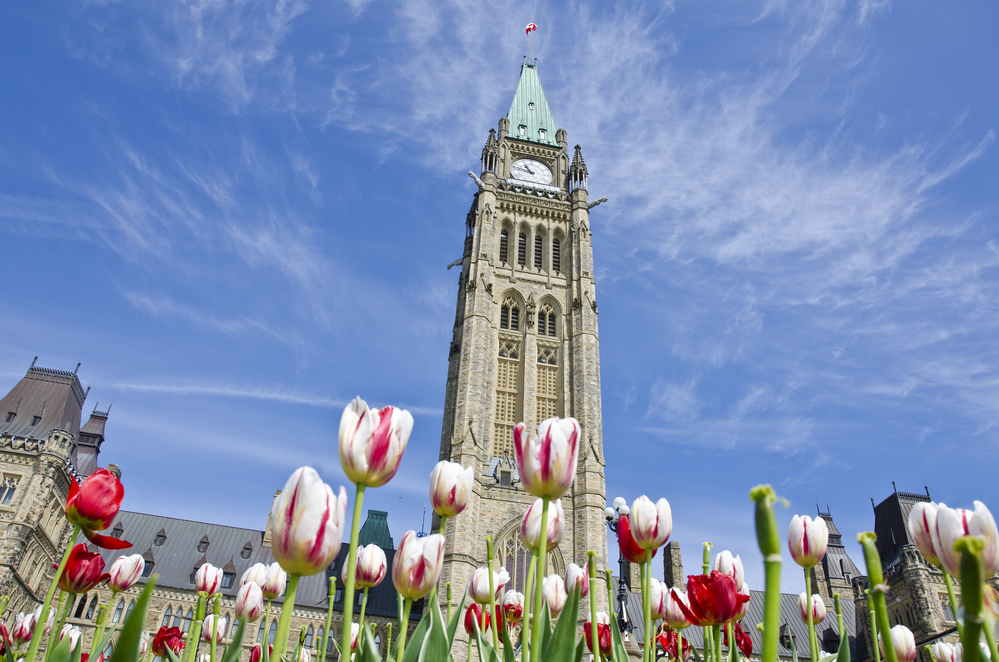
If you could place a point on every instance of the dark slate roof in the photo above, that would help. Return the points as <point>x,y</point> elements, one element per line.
<point>890,517</point>
<point>177,558</point>
<point>55,396</point>
<point>827,631</point>
<point>837,563</point>
<point>95,425</point>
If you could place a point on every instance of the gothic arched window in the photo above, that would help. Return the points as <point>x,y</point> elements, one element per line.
<point>522,250</point>
<point>510,315</point>
<point>166,617</point>
<point>319,639</point>
<point>308,637</point>
<point>504,245</point>
<point>557,255</point>
<point>81,606</point>
<point>551,324</point>
<point>538,248</point>
<point>117,611</point>
<point>92,608</point>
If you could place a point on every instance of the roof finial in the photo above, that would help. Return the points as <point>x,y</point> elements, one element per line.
<point>33,363</point>
<point>893,487</point>
<point>78,366</point>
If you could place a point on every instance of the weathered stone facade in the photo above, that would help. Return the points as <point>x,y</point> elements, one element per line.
<point>525,344</point>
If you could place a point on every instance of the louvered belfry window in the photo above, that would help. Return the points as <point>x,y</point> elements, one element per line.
<point>504,241</point>
<point>515,319</point>
<point>505,317</point>
<point>522,250</point>
<point>556,255</point>
<point>537,252</point>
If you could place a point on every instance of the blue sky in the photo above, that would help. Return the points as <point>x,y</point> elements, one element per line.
<point>237,215</point>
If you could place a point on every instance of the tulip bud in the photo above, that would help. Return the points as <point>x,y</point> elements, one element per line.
<point>730,565</point>
<point>651,523</point>
<point>94,504</point>
<point>553,591</point>
<point>37,616</point>
<point>256,573</point>
<point>450,487</point>
<point>84,570</point>
<point>902,641</point>
<point>144,642</point>
<point>657,598</point>
<point>547,463</point>
<point>256,653</point>
<point>818,608</point>
<point>943,652</point>
<point>305,656</point>
<point>603,634</point>
<point>274,584</point>
<point>476,614</point>
<point>744,609</point>
<point>371,566</point>
<point>807,540</point>
<point>307,520</point>
<point>24,627</point>
<point>922,524</point>
<point>576,576</point>
<point>513,607</point>
<point>417,564</point>
<point>125,572</point>
<point>952,523</point>
<point>478,585</point>
<point>207,629</point>
<point>165,638</point>
<point>72,632</point>
<point>673,612</point>
<point>355,630</point>
<point>249,602</point>
<point>372,442</point>
<point>530,525</point>
<point>208,579</point>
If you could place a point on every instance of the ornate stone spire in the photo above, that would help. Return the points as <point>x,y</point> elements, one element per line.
<point>490,153</point>
<point>577,171</point>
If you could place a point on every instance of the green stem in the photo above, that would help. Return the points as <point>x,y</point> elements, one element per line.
<point>591,570</point>
<point>403,630</point>
<point>953,600</point>
<point>388,638</point>
<point>812,641</point>
<point>990,639</point>
<point>195,634</point>
<point>525,631</point>
<point>348,588</point>
<point>542,553</point>
<point>101,621</point>
<point>215,627</point>
<point>364,606</point>
<point>57,630</point>
<point>647,652</point>
<point>284,625</point>
<point>265,641</point>
<point>36,637</point>
<point>707,638</point>
<point>492,591</point>
<point>329,619</point>
<point>447,592</point>
<point>718,643</point>
<point>874,627</point>
<point>433,592</point>
<point>733,654</point>
<point>970,548</point>
<point>298,646</point>
<point>875,575</point>
<point>769,542</point>
<point>679,645</point>
<point>839,615</point>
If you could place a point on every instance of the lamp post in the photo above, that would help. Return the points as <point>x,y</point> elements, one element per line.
<point>612,515</point>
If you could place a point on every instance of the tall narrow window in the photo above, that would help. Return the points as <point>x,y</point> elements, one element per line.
<point>542,319</point>
<point>308,637</point>
<point>537,252</point>
<point>148,569</point>
<point>80,607</point>
<point>515,319</point>
<point>551,324</point>
<point>166,617</point>
<point>522,250</point>
<point>504,245</point>
<point>557,255</point>
<point>7,488</point>
<point>92,608</point>
<point>507,382</point>
<point>505,317</point>
<point>117,611</point>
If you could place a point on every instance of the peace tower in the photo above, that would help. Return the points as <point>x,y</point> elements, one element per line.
<point>525,345</point>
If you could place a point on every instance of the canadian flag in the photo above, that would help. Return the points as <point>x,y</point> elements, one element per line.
<point>531,27</point>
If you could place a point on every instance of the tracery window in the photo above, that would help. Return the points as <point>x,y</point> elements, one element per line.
<point>510,315</point>
<point>308,637</point>
<point>514,556</point>
<point>522,250</point>
<point>547,388</point>
<point>117,611</point>
<point>166,616</point>
<point>557,255</point>
<point>91,609</point>
<point>81,606</point>
<point>7,488</point>
<point>504,245</point>
<point>538,248</point>
<point>547,321</point>
<point>507,381</point>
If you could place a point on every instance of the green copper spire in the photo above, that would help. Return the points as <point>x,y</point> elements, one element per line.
<point>530,117</point>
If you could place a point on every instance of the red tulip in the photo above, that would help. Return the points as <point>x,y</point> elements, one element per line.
<point>742,640</point>
<point>628,547</point>
<point>171,638</point>
<point>499,621</point>
<point>84,570</point>
<point>714,599</point>
<point>474,614</point>
<point>257,652</point>
<point>94,505</point>
<point>669,640</point>
<point>603,634</point>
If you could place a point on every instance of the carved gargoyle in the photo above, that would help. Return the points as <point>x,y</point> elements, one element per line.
<point>478,182</point>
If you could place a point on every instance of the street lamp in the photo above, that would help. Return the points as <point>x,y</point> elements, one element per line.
<point>612,515</point>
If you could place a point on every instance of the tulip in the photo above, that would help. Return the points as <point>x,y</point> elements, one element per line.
<point>922,524</point>
<point>499,622</point>
<point>952,523</point>
<point>207,629</point>
<point>417,564</point>
<point>742,640</point>
<point>125,572</point>
<point>305,656</point>
<point>818,608</point>
<point>85,657</point>
<point>530,525</point>
<point>84,570</point>
<point>744,609</point>
<point>657,598</point>
<point>627,546</point>
<point>256,573</point>
<point>669,641</point>
<point>603,634</point>
<point>673,613</point>
<point>730,565</point>
<point>171,638</point>
<point>37,615</point>
<point>93,505</point>
<point>450,487</point>
<point>475,614</point>
<point>807,539</point>
<point>249,603</point>
<point>990,600</point>
<point>208,579</point>
<point>547,463</point>
<point>513,606</point>
<point>274,582</point>
<point>713,599</point>
<point>576,576</point>
<point>554,594</point>
<point>902,641</point>
<point>72,632</point>
<point>943,652</point>
<point>307,521</point>
<point>372,442</point>
<point>144,642</point>
<point>371,566</point>
<point>478,585</point>
<point>256,653</point>
<point>651,523</point>
<point>24,626</point>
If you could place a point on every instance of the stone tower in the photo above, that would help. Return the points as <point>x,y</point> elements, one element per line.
<point>525,345</point>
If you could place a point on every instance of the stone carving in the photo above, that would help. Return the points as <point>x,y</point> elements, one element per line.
<point>478,182</point>
<point>597,202</point>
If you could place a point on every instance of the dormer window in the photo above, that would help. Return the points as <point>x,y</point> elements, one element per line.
<point>10,416</point>
<point>227,579</point>
<point>530,106</point>
<point>35,420</point>
<point>247,550</point>
<point>117,531</point>
<point>203,545</point>
<point>522,130</point>
<point>160,538</point>
<point>542,133</point>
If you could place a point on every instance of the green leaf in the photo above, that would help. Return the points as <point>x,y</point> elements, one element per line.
<point>580,650</point>
<point>827,658</point>
<point>507,646</point>
<point>486,652</point>
<point>233,650</point>
<point>171,656</point>
<point>546,625</point>
<point>617,644</point>
<point>435,645</point>
<point>366,649</point>
<point>78,651</point>
<point>61,652</point>
<point>414,644</point>
<point>127,647</point>
<point>561,646</point>
<point>844,649</point>
<point>452,627</point>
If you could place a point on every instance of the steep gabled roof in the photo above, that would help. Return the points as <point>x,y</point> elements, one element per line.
<point>530,109</point>
<point>44,400</point>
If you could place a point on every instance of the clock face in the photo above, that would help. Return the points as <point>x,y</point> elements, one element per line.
<point>530,170</point>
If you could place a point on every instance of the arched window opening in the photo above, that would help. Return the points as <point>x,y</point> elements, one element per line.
<point>557,255</point>
<point>131,606</point>
<point>166,617</point>
<point>92,609</point>
<point>319,639</point>
<point>505,317</point>
<point>81,606</point>
<point>108,651</point>
<point>546,321</point>
<point>504,244</point>
<point>120,607</point>
<point>522,250</point>
<point>542,324</point>
<point>538,248</point>
<point>515,319</point>
<point>514,556</point>
<point>235,626</point>
<point>308,637</point>
<point>551,324</point>
<point>272,631</point>
<point>188,618</point>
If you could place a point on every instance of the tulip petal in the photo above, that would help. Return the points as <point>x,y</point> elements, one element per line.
<point>106,542</point>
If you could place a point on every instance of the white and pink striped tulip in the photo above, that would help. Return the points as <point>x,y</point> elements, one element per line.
<point>807,539</point>
<point>553,591</point>
<point>902,641</point>
<point>922,525</point>
<point>530,525</point>
<point>576,576</point>
<point>417,564</point>
<point>125,572</point>
<point>249,602</point>
<point>651,523</point>
<point>674,615</point>
<point>818,608</point>
<point>952,523</point>
<point>371,566</point>
<point>372,442</point>
<point>730,565</point>
<point>208,579</point>
<point>209,627</point>
<point>547,463</point>
<point>450,487</point>
<point>513,607</point>
<point>307,521</point>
